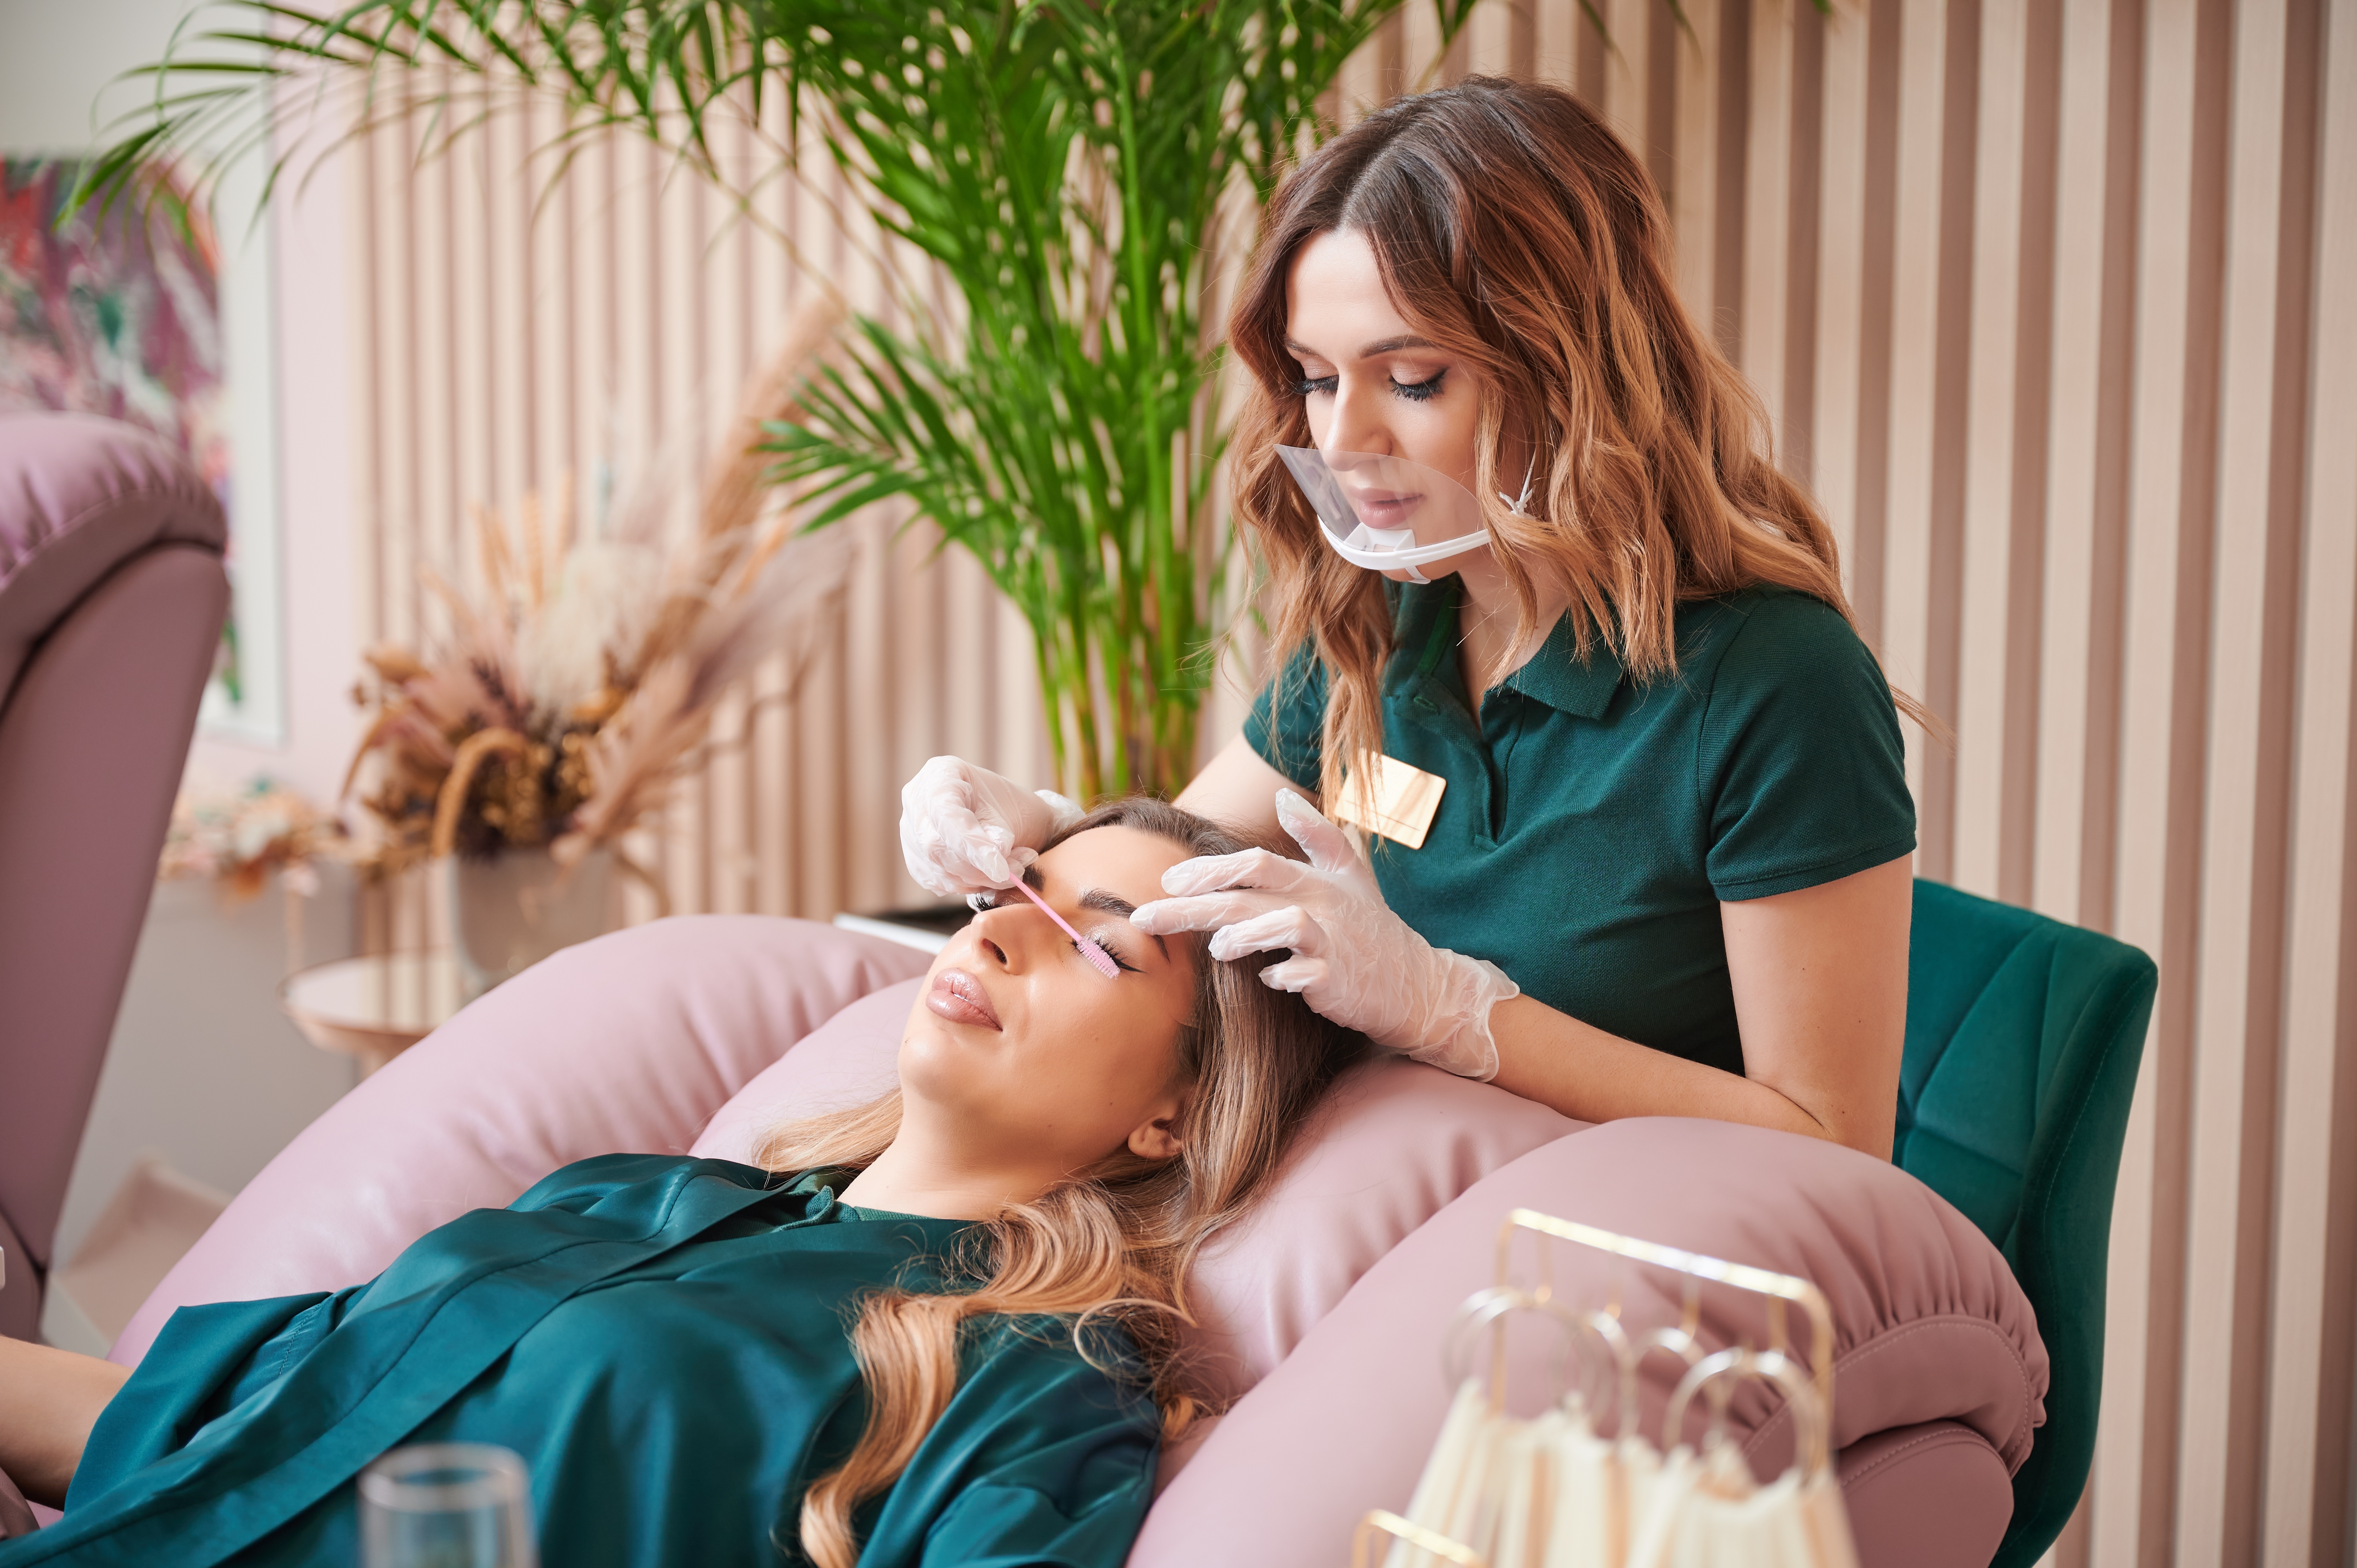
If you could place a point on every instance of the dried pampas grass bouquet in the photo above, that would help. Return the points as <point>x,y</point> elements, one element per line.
<point>577,676</point>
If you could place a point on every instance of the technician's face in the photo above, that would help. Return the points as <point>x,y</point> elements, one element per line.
<point>1368,381</point>
<point>1037,1055</point>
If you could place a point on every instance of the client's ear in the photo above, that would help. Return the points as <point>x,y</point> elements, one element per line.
<point>1156,1140</point>
<point>1163,1138</point>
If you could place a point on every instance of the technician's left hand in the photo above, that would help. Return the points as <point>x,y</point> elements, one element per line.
<point>1352,959</point>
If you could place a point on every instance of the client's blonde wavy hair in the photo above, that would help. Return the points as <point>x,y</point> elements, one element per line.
<point>1113,1245</point>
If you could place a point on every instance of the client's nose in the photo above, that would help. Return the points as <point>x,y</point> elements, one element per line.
<point>1005,937</point>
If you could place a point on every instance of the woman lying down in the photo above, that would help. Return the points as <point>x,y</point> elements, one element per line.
<point>939,1328</point>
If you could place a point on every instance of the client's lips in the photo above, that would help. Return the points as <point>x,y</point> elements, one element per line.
<point>959,998</point>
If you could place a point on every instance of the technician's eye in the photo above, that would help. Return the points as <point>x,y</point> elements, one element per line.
<point>1316,386</point>
<point>1417,391</point>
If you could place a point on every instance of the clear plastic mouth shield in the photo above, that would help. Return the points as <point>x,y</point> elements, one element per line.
<point>1387,514</point>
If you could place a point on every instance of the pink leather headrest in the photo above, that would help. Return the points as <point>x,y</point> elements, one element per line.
<point>1930,1326</point>
<point>78,496</point>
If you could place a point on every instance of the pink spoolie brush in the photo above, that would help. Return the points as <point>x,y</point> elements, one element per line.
<point>1101,960</point>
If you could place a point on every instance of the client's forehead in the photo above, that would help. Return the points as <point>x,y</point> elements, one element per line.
<point>1121,860</point>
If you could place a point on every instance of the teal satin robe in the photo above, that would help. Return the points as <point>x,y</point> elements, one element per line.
<point>665,1342</point>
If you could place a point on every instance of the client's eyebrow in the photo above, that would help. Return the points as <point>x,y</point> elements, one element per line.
<point>1115,904</point>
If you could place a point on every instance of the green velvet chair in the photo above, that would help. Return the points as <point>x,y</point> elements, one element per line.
<point>2023,1037</point>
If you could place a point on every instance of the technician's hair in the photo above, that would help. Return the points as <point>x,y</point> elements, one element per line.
<point>1515,232</point>
<point>1113,1245</point>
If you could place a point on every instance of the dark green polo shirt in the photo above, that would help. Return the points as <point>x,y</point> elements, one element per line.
<point>1592,824</point>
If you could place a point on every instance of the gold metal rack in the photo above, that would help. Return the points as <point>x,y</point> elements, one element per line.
<point>1809,1389</point>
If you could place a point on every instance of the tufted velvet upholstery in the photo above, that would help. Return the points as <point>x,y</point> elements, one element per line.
<point>2023,1037</point>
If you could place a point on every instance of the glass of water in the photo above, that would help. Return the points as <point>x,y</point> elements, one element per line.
<point>447,1505</point>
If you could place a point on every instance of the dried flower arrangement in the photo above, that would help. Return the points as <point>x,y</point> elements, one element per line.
<point>238,838</point>
<point>579,677</point>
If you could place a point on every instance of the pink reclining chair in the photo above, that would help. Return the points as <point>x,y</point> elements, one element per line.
<point>1325,1315</point>
<point>112,594</point>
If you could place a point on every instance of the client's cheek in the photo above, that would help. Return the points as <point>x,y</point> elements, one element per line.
<point>1095,1058</point>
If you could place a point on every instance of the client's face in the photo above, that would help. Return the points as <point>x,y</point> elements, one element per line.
<point>1028,1046</point>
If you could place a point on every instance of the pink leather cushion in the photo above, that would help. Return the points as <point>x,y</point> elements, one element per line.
<point>78,496</point>
<point>1392,1146</point>
<point>849,1061</point>
<point>1396,1144</point>
<point>630,1042</point>
<point>633,1041</point>
<point>1930,1496</point>
<point>1931,1326</point>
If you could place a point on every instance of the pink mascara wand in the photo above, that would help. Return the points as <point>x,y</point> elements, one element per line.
<point>1097,956</point>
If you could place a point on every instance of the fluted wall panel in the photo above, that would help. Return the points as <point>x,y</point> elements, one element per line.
<point>2050,302</point>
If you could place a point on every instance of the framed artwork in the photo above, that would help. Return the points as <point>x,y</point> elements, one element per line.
<point>144,323</point>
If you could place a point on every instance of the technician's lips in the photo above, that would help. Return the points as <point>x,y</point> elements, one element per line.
<point>1383,507</point>
<point>959,998</point>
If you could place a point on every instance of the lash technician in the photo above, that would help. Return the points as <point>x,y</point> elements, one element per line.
<point>1553,628</point>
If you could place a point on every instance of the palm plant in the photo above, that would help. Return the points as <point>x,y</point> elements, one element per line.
<point>1064,165</point>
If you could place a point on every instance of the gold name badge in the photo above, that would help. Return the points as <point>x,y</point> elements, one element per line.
<point>1400,806</point>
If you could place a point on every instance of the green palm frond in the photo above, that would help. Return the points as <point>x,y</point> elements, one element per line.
<point>1061,164</point>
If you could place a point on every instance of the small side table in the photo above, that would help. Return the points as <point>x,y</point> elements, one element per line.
<point>373,1008</point>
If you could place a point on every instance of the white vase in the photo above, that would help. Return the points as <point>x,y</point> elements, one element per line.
<point>510,912</point>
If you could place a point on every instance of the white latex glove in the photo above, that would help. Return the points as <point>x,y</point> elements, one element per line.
<point>965,830</point>
<point>1352,959</point>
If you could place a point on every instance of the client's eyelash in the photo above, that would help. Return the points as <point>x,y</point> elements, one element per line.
<point>1108,949</point>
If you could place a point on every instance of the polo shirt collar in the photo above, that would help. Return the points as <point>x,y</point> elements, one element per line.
<point>1555,674</point>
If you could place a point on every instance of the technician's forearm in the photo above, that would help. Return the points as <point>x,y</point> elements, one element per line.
<point>1591,1076</point>
<point>49,1400</point>
<point>1238,788</point>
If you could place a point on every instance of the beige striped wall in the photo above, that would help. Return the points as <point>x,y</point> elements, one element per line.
<point>2041,294</point>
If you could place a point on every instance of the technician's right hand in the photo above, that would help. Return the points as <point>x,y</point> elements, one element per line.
<point>965,830</point>
<point>1349,956</point>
